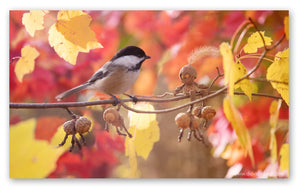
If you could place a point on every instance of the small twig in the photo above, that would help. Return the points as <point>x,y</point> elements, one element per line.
<point>244,24</point>
<point>216,78</point>
<point>254,56</point>
<point>277,43</point>
<point>71,113</point>
<point>241,38</point>
<point>14,58</point>
<point>156,96</point>
<point>256,28</point>
<point>259,94</point>
<point>266,80</point>
<point>218,92</point>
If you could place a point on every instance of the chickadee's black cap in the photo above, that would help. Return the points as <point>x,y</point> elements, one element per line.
<point>130,50</point>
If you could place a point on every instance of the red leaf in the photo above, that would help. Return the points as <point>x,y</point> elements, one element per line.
<point>46,127</point>
<point>97,161</point>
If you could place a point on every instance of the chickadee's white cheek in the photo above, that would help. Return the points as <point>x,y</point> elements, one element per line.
<point>128,61</point>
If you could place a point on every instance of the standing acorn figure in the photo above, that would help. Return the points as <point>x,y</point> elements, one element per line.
<point>187,75</point>
<point>112,116</point>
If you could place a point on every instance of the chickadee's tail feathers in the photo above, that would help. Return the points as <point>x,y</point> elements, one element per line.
<point>71,91</point>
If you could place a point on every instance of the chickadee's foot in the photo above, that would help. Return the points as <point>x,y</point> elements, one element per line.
<point>134,98</point>
<point>116,100</point>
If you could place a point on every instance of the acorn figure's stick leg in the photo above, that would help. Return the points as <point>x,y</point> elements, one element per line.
<point>64,141</point>
<point>83,139</point>
<point>118,131</point>
<point>180,135</point>
<point>106,127</point>
<point>130,136</point>
<point>72,142</point>
<point>77,142</point>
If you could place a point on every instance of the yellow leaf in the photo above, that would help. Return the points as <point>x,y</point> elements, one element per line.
<point>71,34</point>
<point>226,53</point>
<point>284,157</point>
<point>144,128</point>
<point>30,158</point>
<point>273,146</point>
<point>278,74</point>
<point>255,41</point>
<point>34,20</point>
<point>25,64</point>
<point>145,131</point>
<point>235,118</point>
<point>234,71</point>
<point>238,71</point>
<point>286,27</point>
<point>131,152</point>
<point>274,112</point>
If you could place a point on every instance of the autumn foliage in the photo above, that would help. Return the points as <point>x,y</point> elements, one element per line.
<point>53,51</point>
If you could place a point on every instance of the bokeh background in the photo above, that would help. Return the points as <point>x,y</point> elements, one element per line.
<point>169,37</point>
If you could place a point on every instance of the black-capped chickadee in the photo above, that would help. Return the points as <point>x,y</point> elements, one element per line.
<point>115,76</point>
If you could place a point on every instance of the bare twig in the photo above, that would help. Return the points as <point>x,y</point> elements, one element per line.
<point>241,38</point>
<point>266,80</point>
<point>14,58</point>
<point>244,24</point>
<point>71,113</point>
<point>259,94</point>
<point>256,28</point>
<point>218,76</point>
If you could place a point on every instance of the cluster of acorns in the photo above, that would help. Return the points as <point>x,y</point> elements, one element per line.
<point>195,121</point>
<point>78,125</point>
<point>192,118</point>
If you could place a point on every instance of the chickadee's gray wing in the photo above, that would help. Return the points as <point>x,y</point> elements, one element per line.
<point>98,75</point>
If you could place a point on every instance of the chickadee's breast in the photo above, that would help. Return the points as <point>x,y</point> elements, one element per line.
<point>117,82</point>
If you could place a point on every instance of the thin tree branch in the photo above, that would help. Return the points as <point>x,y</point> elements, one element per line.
<point>218,92</point>
<point>216,78</point>
<point>256,28</point>
<point>88,103</point>
<point>259,94</point>
<point>266,80</point>
<point>14,58</point>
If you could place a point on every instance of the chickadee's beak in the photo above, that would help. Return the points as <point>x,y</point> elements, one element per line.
<point>147,57</point>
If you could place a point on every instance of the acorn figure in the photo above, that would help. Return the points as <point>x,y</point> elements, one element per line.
<point>187,75</point>
<point>112,116</point>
